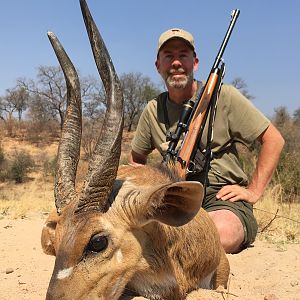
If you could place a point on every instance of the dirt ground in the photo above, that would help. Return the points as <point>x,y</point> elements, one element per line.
<point>265,271</point>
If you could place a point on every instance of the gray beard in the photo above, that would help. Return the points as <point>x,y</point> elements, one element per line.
<point>181,83</point>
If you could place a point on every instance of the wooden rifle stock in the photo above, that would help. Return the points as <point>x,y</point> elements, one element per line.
<point>191,139</point>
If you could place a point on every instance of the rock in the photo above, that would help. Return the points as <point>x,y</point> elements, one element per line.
<point>294,283</point>
<point>9,270</point>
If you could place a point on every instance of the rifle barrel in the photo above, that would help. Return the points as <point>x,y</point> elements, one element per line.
<point>234,15</point>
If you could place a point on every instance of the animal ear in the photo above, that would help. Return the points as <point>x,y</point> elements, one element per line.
<point>48,234</point>
<point>176,204</point>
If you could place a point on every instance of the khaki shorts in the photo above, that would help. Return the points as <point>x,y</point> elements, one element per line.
<point>242,209</point>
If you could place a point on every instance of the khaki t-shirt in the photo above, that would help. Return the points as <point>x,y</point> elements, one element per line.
<point>237,120</point>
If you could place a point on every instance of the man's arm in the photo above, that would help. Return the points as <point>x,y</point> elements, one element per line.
<point>271,146</point>
<point>137,159</point>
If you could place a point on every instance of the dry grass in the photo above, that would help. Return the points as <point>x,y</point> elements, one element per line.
<point>36,195</point>
<point>26,199</point>
<point>278,222</point>
<point>9,145</point>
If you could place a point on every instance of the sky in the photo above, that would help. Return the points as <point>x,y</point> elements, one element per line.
<point>263,49</point>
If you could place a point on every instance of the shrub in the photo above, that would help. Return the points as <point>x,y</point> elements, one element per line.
<point>20,165</point>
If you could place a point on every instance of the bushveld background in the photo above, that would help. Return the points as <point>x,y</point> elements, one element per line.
<point>268,271</point>
<point>31,117</point>
<point>28,158</point>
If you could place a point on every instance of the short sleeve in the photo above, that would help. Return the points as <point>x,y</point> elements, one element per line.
<point>141,142</point>
<point>246,122</point>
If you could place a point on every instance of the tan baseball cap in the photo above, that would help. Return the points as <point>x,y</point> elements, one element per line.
<point>175,33</point>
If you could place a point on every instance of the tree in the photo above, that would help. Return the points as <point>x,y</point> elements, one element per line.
<point>39,111</point>
<point>15,100</point>
<point>137,91</point>
<point>281,116</point>
<point>49,92</point>
<point>241,85</point>
<point>94,103</point>
<point>93,98</point>
<point>296,117</point>
<point>49,89</point>
<point>6,114</point>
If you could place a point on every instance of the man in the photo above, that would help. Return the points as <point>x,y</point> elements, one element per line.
<point>230,196</point>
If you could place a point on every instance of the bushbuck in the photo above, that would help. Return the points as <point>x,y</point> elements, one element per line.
<point>128,231</point>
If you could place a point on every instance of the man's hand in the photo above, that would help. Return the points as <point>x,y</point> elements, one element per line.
<point>271,146</point>
<point>236,192</point>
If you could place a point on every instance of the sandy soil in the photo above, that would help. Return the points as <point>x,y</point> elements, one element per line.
<point>265,271</point>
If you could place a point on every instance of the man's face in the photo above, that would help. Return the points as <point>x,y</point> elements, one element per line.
<point>176,63</point>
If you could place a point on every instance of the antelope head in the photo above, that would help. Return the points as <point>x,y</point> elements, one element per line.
<point>90,239</point>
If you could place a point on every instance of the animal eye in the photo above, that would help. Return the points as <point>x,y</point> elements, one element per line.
<point>97,243</point>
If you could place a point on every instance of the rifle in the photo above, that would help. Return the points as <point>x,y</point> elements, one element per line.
<point>194,114</point>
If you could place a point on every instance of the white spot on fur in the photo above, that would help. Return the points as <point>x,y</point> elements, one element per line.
<point>119,256</point>
<point>206,282</point>
<point>107,226</point>
<point>62,274</point>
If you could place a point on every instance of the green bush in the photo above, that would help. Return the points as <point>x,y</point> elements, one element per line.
<point>20,165</point>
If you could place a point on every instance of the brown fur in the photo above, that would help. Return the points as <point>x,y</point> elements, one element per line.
<point>160,244</point>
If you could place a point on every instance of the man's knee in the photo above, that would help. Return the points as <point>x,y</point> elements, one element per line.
<point>230,229</point>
